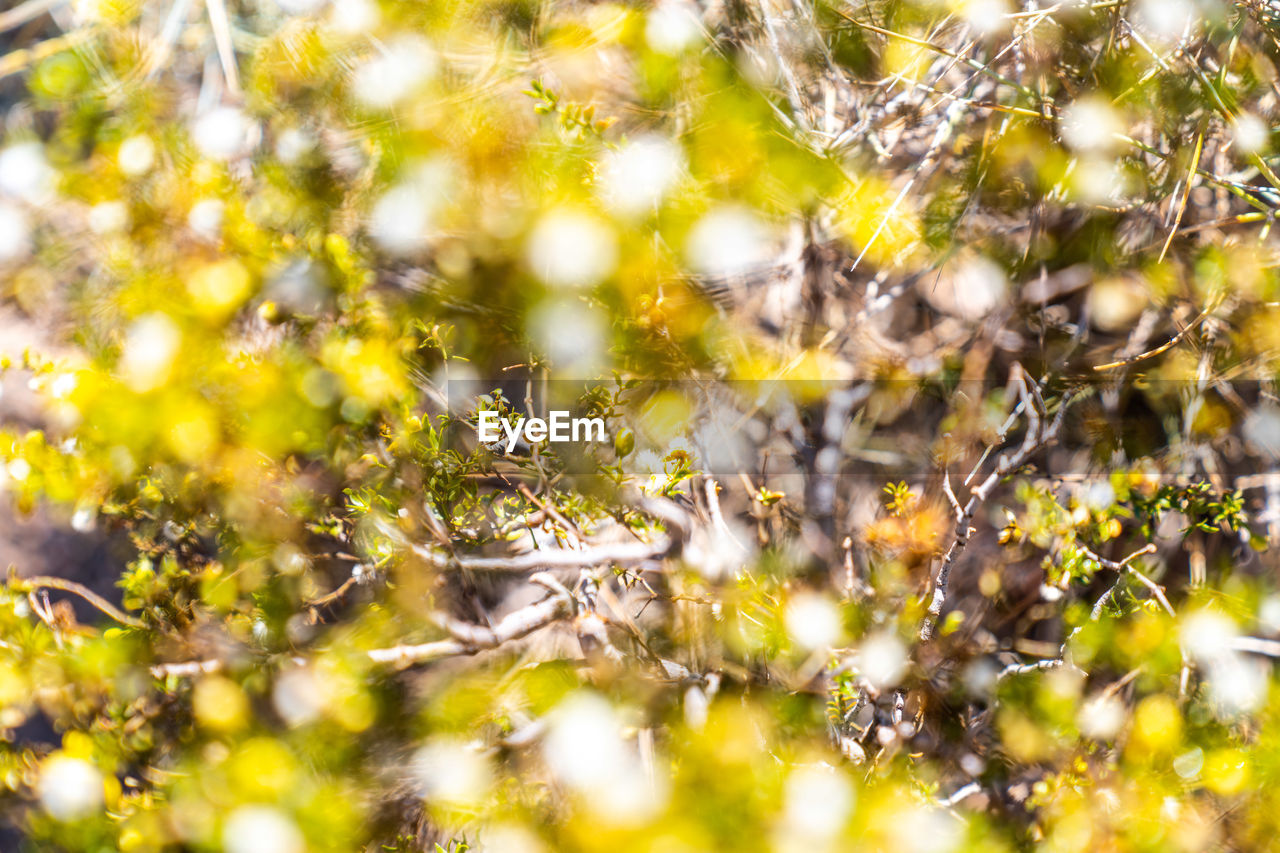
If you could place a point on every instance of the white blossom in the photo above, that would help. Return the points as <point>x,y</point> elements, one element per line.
<point>450,771</point>
<point>1090,124</point>
<point>25,174</point>
<point>205,218</point>
<point>817,802</point>
<point>813,621</point>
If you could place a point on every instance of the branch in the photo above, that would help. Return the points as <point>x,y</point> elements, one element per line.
<point>1165,347</point>
<point>598,555</point>
<point>1124,566</point>
<point>1257,646</point>
<point>187,669</point>
<point>959,794</point>
<point>469,639</point>
<point>46,582</point>
<point>1095,614</point>
<point>623,552</point>
<point>465,638</point>
<point>1038,437</point>
<point>1025,668</point>
<point>30,10</point>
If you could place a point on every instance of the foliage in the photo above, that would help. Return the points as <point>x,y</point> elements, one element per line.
<point>936,345</point>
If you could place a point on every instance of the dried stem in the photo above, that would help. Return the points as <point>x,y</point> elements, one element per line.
<point>1038,436</point>
<point>45,582</point>
<point>464,638</point>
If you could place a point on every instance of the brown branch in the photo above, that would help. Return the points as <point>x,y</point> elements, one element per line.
<point>187,669</point>
<point>468,639</point>
<point>551,512</point>
<point>596,555</point>
<point>28,11</point>
<point>46,582</point>
<point>465,639</point>
<point>623,552</point>
<point>1025,668</point>
<point>1122,566</point>
<point>1094,615</point>
<point>330,598</point>
<point>1038,436</point>
<point>1165,347</point>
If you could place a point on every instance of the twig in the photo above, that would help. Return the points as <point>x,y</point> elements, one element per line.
<point>959,794</point>
<point>1035,666</point>
<point>221,27</point>
<point>971,63</point>
<point>1121,565</point>
<point>468,639</point>
<point>1186,193</point>
<point>465,638</point>
<point>1257,646</point>
<point>23,12</point>
<point>788,76</point>
<point>1155,588</point>
<point>1166,346</point>
<point>46,582</point>
<point>622,552</point>
<point>1124,566</point>
<point>1038,436</point>
<point>614,553</point>
<point>187,669</point>
<point>1095,614</point>
<point>331,597</point>
<point>550,510</point>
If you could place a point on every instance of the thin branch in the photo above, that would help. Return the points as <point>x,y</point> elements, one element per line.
<point>951,495</point>
<point>1025,668</point>
<point>221,27</point>
<point>1257,646</point>
<point>46,582</point>
<point>1038,437</point>
<point>468,639</point>
<point>971,63</point>
<point>1186,193</point>
<point>188,669</point>
<point>550,510</point>
<point>465,639</point>
<point>331,597</point>
<point>598,555</point>
<point>1165,347</point>
<point>1095,614</point>
<point>959,794</point>
<point>1117,566</point>
<point>1125,566</point>
<point>20,14</point>
<point>622,552</point>
<point>1156,590</point>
